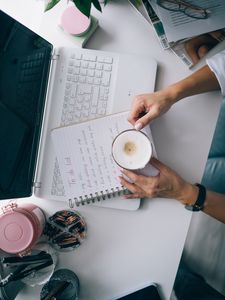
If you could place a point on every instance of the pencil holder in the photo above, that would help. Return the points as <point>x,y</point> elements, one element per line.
<point>66,230</point>
<point>74,22</point>
<point>77,26</point>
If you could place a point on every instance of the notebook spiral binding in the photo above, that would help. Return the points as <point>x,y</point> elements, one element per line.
<point>98,196</point>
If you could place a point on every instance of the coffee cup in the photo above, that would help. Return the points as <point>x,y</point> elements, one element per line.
<point>132,149</point>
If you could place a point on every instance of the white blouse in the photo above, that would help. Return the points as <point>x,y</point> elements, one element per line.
<point>205,245</point>
<point>217,65</point>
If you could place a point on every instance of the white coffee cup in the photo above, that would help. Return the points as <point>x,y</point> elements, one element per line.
<point>132,149</point>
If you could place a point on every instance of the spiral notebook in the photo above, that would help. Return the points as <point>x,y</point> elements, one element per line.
<point>84,154</point>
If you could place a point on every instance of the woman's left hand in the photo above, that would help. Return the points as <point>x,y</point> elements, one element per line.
<point>167,184</point>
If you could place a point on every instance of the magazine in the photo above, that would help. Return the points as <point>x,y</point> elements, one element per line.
<point>189,50</point>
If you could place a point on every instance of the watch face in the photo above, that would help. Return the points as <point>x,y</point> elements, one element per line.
<point>189,207</point>
<point>193,207</point>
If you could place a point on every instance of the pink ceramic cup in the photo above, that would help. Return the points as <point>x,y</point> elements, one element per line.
<point>21,227</point>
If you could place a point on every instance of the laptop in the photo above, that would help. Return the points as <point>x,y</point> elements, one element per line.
<point>42,88</point>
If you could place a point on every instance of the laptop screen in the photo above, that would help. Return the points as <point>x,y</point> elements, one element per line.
<point>24,69</point>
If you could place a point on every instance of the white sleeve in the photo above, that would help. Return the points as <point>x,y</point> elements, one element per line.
<point>217,65</point>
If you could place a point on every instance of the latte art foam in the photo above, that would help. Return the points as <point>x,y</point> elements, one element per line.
<point>132,149</point>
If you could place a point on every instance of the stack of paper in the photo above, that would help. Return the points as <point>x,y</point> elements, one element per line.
<point>180,33</point>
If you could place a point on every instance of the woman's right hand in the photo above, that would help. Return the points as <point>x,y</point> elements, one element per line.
<point>148,107</point>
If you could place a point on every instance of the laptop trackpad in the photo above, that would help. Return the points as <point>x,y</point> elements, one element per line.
<point>13,133</point>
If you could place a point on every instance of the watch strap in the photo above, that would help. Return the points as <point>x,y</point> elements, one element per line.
<point>199,204</point>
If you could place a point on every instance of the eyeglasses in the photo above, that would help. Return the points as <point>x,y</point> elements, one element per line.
<point>188,9</point>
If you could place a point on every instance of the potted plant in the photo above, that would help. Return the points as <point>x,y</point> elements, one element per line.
<point>83,5</point>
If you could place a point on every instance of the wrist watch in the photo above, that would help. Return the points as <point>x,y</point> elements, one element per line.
<point>199,204</point>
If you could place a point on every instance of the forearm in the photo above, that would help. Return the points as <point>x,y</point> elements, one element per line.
<point>201,81</point>
<point>214,205</point>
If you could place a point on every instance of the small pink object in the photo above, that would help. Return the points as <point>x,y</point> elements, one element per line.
<point>21,226</point>
<point>74,22</point>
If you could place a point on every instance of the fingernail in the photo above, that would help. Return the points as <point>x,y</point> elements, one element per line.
<point>138,126</point>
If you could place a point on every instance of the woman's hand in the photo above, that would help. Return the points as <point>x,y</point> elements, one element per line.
<point>147,107</point>
<point>167,184</point>
<point>197,47</point>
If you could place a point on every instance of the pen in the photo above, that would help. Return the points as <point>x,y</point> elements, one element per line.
<point>56,291</point>
<point>25,273</point>
<point>22,272</point>
<point>31,259</point>
<point>28,262</point>
<point>9,277</point>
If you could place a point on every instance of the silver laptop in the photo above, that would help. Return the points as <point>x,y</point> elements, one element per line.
<point>43,88</point>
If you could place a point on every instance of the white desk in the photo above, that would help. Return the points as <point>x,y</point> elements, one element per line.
<point>125,249</point>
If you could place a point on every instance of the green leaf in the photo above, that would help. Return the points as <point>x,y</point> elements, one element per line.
<point>138,2</point>
<point>84,6</point>
<point>97,5</point>
<point>51,4</point>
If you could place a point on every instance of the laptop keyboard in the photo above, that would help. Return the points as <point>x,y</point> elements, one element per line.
<point>86,96</point>
<point>87,88</point>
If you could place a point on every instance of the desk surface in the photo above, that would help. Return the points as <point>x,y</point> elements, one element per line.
<point>124,250</point>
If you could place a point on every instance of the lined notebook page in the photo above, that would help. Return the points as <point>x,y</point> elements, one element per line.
<point>84,154</point>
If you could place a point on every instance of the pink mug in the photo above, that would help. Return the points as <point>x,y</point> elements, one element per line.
<point>21,227</point>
